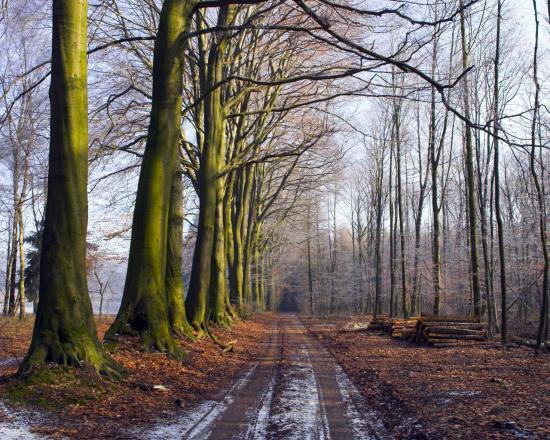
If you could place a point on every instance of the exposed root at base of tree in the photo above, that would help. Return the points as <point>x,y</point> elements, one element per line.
<point>203,330</point>
<point>222,319</point>
<point>164,344</point>
<point>159,339</point>
<point>183,331</point>
<point>84,354</point>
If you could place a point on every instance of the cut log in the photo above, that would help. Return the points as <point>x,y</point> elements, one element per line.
<point>449,318</point>
<point>456,337</point>
<point>455,331</point>
<point>470,325</point>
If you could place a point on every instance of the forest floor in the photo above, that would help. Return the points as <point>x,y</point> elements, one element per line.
<point>288,378</point>
<point>280,383</point>
<point>462,392</point>
<point>66,406</point>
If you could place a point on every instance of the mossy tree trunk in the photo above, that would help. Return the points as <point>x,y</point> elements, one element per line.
<point>64,330</point>
<point>208,296</point>
<point>145,309</point>
<point>204,272</point>
<point>218,286</point>
<point>247,233</point>
<point>242,200</point>
<point>228,218</point>
<point>174,281</point>
<point>257,273</point>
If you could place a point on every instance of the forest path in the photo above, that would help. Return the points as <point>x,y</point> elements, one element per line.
<point>295,391</point>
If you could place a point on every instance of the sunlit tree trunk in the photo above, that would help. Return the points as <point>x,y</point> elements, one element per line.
<point>64,330</point>
<point>144,307</point>
<point>206,288</point>
<point>173,279</point>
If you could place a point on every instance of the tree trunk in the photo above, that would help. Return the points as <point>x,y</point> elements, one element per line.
<point>13,265</point>
<point>218,290</point>
<point>470,179</point>
<point>173,279</point>
<point>144,307</point>
<point>397,138</point>
<point>378,239</point>
<point>64,330</point>
<point>500,224</point>
<point>22,300</point>
<point>543,320</point>
<point>206,288</point>
<point>434,158</point>
<point>309,267</point>
<point>7,282</point>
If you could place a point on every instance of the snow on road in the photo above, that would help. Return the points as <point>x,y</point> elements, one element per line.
<point>365,425</point>
<point>299,393</point>
<point>197,423</point>
<point>258,420</point>
<point>298,413</point>
<point>15,427</point>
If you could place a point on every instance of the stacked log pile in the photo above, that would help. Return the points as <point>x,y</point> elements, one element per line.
<point>446,329</point>
<point>404,329</point>
<point>397,328</point>
<point>432,329</point>
<point>380,323</point>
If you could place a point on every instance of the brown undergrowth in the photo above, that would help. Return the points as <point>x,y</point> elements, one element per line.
<point>76,404</point>
<point>462,392</point>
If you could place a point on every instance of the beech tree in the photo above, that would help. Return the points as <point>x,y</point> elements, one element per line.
<point>145,303</point>
<point>64,330</point>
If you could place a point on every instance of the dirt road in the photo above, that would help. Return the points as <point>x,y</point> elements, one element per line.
<point>295,391</point>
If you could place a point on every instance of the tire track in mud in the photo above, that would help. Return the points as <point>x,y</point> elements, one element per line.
<point>295,391</point>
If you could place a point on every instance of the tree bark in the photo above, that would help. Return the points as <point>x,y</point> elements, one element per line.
<point>470,178</point>
<point>64,330</point>
<point>144,307</point>
<point>500,224</point>
<point>173,279</point>
<point>205,287</point>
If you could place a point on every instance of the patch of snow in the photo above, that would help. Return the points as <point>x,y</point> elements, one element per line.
<point>258,420</point>
<point>16,428</point>
<point>366,426</point>
<point>197,423</point>
<point>8,363</point>
<point>298,410</point>
<point>463,393</point>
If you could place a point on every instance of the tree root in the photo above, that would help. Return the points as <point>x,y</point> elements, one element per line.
<point>184,332</point>
<point>225,346</point>
<point>157,339</point>
<point>87,352</point>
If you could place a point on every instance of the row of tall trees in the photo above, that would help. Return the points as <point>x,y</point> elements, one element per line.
<point>247,104</point>
<point>243,160</point>
<point>447,212</point>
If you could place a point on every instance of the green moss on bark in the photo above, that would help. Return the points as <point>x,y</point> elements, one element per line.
<point>145,308</point>
<point>64,330</point>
